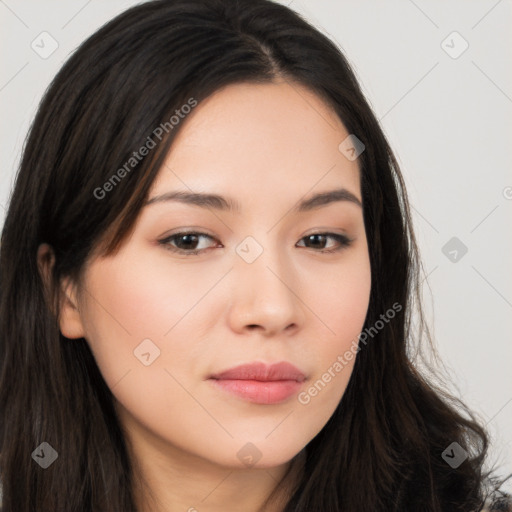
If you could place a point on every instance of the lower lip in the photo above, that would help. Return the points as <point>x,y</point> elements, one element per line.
<point>260,392</point>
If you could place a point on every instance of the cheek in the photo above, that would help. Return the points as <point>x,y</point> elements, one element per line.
<point>123,308</point>
<point>129,301</point>
<point>128,311</point>
<point>152,297</point>
<point>340,305</point>
<point>339,296</point>
<point>134,309</point>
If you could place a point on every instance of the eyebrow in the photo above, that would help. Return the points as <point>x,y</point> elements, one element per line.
<point>221,203</point>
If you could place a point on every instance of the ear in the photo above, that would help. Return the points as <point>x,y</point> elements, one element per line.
<point>70,322</point>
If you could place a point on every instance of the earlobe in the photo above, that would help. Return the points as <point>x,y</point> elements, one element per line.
<point>70,322</point>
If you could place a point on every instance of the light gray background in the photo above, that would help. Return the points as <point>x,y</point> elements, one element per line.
<point>448,120</point>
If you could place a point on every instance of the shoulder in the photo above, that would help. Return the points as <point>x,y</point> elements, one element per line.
<point>499,504</point>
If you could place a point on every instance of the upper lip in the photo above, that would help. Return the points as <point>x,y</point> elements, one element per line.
<point>262,372</point>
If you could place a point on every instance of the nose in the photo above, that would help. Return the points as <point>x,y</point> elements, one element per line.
<point>266,296</point>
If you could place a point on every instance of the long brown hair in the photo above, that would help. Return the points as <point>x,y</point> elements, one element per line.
<point>383,447</point>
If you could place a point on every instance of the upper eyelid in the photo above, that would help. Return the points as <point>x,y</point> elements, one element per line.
<point>203,233</point>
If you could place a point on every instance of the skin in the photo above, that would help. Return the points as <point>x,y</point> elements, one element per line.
<point>267,146</point>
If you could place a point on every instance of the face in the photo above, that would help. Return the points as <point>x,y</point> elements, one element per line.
<point>264,276</point>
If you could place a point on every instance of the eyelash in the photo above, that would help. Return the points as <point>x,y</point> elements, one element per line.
<point>343,240</point>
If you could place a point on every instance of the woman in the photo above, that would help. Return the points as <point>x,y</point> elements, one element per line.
<point>208,305</point>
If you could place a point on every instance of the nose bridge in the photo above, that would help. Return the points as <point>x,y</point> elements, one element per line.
<point>260,259</point>
<point>265,282</point>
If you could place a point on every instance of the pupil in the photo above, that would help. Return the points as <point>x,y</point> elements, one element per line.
<point>189,239</point>
<point>315,238</point>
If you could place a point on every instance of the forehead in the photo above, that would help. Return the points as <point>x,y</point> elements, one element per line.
<point>259,137</point>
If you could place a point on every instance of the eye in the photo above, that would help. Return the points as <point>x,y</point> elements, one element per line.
<point>319,239</point>
<point>185,242</point>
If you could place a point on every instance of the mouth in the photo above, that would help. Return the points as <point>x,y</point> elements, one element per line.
<point>260,383</point>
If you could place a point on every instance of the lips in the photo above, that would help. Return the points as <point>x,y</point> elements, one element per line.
<point>260,383</point>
